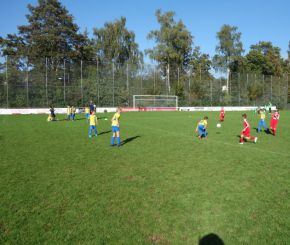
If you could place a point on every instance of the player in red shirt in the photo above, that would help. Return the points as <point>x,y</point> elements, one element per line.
<point>274,121</point>
<point>222,114</point>
<point>246,131</point>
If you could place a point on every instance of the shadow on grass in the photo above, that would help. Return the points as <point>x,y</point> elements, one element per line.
<point>211,239</point>
<point>128,140</point>
<point>266,131</point>
<point>105,132</point>
<point>76,119</point>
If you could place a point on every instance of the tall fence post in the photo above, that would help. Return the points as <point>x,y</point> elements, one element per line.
<point>27,88</point>
<point>127,83</point>
<point>271,88</point>
<point>82,92</point>
<point>141,81</point>
<point>210,92</point>
<point>98,82</point>
<point>113,70</point>
<point>7,84</point>
<point>46,82</point>
<point>263,80</point>
<point>239,81</point>
<point>64,81</point>
<point>154,78</point>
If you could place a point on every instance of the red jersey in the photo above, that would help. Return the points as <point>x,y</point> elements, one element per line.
<point>222,113</point>
<point>246,125</point>
<point>275,116</point>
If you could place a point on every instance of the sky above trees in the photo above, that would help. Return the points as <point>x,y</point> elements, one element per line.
<point>257,20</point>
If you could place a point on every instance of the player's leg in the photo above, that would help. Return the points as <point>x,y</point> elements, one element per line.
<point>260,125</point>
<point>118,137</point>
<point>242,139</point>
<point>200,130</point>
<point>113,136</point>
<point>90,131</point>
<point>95,129</point>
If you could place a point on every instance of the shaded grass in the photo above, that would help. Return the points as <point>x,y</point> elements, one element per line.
<point>162,185</point>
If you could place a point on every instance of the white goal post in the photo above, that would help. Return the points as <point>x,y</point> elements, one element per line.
<point>154,101</point>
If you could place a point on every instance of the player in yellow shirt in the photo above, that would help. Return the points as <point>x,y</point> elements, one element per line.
<point>262,123</point>
<point>68,112</point>
<point>73,113</point>
<point>93,122</point>
<point>201,127</point>
<point>116,127</point>
<point>87,112</point>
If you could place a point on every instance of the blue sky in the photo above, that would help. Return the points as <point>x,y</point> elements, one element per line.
<point>258,20</point>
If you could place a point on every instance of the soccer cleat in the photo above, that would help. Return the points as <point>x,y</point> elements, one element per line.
<point>241,143</point>
<point>90,136</point>
<point>255,140</point>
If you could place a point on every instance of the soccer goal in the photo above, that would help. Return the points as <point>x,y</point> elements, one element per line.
<point>155,101</point>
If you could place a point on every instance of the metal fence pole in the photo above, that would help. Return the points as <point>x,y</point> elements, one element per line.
<point>141,82</point>
<point>263,80</point>
<point>154,78</point>
<point>247,88</point>
<point>271,88</point>
<point>82,92</point>
<point>27,88</point>
<point>46,82</point>
<point>7,85</point>
<point>98,82</point>
<point>64,82</point>
<point>113,84</point>
<point>210,92</point>
<point>127,83</point>
<point>239,81</point>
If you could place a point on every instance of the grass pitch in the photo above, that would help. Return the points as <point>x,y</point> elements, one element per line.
<point>162,186</point>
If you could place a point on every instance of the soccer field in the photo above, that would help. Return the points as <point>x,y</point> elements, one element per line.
<point>162,186</point>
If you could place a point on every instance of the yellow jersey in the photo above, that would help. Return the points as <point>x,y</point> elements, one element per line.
<point>93,120</point>
<point>87,110</point>
<point>203,122</point>
<point>73,109</point>
<point>68,111</point>
<point>262,115</point>
<point>116,119</point>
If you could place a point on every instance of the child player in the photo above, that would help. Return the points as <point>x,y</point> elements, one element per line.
<point>222,114</point>
<point>201,127</point>
<point>246,131</point>
<point>262,123</point>
<point>68,112</point>
<point>274,121</point>
<point>93,121</point>
<point>87,112</point>
<point>116,127</point>
<point>73,113</point>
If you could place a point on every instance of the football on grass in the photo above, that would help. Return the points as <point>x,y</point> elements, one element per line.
<point>218,125</point>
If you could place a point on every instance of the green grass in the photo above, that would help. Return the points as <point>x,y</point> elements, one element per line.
<point>162,186</point>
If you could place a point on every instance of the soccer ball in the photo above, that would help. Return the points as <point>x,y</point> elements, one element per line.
<point>218,125</point>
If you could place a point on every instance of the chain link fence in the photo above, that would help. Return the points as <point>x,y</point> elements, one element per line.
<point>46,81</point>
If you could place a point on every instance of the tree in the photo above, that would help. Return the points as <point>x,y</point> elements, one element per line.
<point>265,58</point>
<point>201,63</point>
<point>114,42</point>
<point>173,48</point>
<point>229,48</point>
<point>50,33</point>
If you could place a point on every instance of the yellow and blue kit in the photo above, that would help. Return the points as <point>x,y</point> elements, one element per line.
<point>202,128</point>
<point>262,123</point>
<point>116,128</point>
<point>93,121</point>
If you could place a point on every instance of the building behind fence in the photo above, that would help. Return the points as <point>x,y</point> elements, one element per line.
<point>59,83</point>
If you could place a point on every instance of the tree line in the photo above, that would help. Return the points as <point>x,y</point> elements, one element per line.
<point>52,33</point>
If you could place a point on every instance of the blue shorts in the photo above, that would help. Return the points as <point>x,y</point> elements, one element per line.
<point>115,129</point>
<point>92,126</point>
<point>202,130</point>
<point>87,115</point>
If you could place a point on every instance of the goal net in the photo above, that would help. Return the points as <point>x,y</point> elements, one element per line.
<point>155,101</point>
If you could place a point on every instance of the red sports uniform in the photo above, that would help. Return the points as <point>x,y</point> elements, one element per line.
<point>222,115</point>
<point>246,131</point>
<point>274,121</point>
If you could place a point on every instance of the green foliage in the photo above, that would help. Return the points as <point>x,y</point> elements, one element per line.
<point>229,47</point>
<point>114,42</point>
<point>173,44</point>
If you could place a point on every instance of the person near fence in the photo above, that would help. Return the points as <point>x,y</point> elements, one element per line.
<point>73,113</point>
<point>51,116</point>
<point>116,127</point>
<point>222,114</point>
<point>68,112</point>
<point>262,123</point>
<point>92,106</point>
<point>274,122</point>
<point>93,122</point>
<point>246,133</point>
<point>87,112</point>
<point>201,128</point>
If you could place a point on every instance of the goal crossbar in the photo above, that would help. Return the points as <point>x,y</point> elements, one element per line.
<point>155,101</point>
